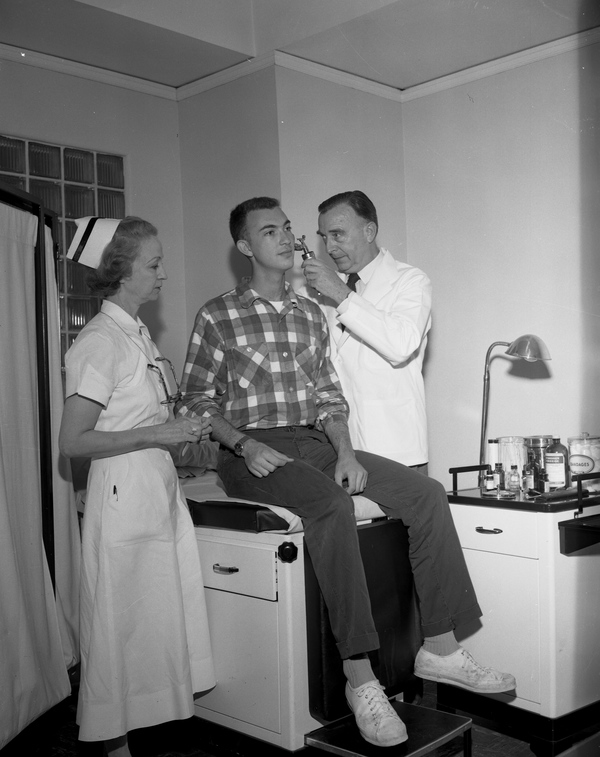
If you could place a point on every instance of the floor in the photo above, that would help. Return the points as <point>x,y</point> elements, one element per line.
<point>55,735</point>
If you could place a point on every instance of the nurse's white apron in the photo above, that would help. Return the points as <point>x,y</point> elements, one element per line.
<point>145,647</point>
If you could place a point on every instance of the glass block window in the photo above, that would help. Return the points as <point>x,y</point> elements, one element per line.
<point>73,183</point>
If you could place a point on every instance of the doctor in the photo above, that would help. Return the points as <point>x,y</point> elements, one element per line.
<point>379,313</point>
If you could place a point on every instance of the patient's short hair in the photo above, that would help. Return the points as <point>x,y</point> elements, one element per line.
<point>357,200</point>
<point>239,215</point>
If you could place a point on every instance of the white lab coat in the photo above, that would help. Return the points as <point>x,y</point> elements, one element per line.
<point>379,359</point>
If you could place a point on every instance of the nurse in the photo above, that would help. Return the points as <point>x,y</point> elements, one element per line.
<point>145,648</point>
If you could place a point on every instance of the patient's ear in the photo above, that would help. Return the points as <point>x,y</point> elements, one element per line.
<point>244,248</point>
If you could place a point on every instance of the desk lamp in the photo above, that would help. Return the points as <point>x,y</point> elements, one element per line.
<point>530,348</point>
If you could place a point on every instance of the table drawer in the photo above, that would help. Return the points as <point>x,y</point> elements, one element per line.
<point>239,568</point>
<point>508,532</point>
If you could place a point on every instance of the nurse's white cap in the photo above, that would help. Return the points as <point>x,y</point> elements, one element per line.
<point>91,237</point>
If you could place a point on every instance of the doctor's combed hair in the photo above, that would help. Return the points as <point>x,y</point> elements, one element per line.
<point>239,215</point>
<point>357,200</point>
<point>119,255</point>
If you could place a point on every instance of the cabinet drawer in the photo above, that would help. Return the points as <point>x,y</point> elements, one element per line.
<point>239,568</point>
<point>508,532</point>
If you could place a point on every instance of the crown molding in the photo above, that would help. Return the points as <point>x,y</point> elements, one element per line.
<point>508,63</point>
<point>247,67</point>
<point>337,77</point>
<point>83,71</point>
<point>284,60</point>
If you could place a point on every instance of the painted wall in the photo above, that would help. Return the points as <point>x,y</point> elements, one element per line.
<point>229,152</point>
<point>331,139</point>
<point>503,183</point>
<point>67,110</point>
<point>491,187</point>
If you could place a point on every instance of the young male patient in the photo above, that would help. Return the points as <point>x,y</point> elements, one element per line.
<point>258,365</point>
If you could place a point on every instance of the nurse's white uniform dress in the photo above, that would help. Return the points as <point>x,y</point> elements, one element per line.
<point>145,647</point>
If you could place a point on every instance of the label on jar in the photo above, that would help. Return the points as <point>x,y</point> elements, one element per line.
<point>555,468</point>
<point>579,464</point>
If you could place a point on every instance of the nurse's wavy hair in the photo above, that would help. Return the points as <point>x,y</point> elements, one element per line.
<point>119,255</point>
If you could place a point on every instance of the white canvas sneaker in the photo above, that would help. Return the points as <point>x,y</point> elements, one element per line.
<point>376,719</point>
<point>460,669</point>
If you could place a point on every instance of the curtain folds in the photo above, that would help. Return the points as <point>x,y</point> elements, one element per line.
<point>38,632</point>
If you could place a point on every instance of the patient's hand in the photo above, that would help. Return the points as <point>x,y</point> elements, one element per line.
<point>350,474</point>
<point>262,459</point>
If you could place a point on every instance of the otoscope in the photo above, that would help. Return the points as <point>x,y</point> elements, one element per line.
<point>300,246</point>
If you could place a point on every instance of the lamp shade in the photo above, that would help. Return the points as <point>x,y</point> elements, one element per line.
<point>529,347</point>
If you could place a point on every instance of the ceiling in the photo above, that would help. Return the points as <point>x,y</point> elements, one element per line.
<point>399,43</point>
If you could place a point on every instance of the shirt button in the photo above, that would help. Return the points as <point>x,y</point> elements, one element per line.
<point>285,354</point>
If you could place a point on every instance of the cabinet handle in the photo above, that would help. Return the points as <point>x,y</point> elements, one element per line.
<point>224,570</point>
<point>482,530</point>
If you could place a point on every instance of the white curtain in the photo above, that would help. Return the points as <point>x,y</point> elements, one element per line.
<point>38,631</point>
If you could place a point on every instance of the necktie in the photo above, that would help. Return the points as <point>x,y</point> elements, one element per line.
<point>352,279</point>
<point>351,282</point>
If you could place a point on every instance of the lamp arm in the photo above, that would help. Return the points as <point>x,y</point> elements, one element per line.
<point>484,408</point>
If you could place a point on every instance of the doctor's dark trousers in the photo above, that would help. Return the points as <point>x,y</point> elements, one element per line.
<point>306,487</point>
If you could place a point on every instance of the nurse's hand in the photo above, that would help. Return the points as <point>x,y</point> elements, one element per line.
<point>183,429</point>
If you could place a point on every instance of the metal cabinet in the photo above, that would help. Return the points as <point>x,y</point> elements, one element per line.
<point>257,618</point>
<point>541,615</point>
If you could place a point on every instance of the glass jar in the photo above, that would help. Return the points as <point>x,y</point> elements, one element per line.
<point>536,445</point>
<point>584,457</point>
<point>512,451</point>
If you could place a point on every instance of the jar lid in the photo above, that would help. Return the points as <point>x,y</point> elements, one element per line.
<point>584,437</point>
<point>538,441</point>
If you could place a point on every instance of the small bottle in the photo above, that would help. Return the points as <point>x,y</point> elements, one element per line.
<point>544,483</point>
<point>488,485</point>
<point>557,464</point>
<point>499,476</point>
<point>530,474</point>
<point>514,480</point>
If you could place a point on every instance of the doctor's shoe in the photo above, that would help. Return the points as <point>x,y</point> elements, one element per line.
<point>460,669</point>
<point>376,719</point>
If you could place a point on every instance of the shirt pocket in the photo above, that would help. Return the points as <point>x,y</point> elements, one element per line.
<point>251,366</point>
<point>306,362</point>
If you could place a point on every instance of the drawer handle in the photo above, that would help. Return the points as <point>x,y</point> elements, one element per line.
<point>224,570</point>
<point>482,530</point>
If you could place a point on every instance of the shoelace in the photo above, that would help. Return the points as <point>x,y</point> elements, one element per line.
<point>378,703</point>
<point>468,659</point>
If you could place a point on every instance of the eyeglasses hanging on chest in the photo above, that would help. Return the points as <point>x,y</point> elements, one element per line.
<point>170,398</point>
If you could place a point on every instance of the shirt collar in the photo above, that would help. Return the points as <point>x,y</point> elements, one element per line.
<point>248,296</point>
<point>123,319</point>
<point>367,272</point>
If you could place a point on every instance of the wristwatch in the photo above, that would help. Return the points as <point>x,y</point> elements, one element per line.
<point>238,447</point>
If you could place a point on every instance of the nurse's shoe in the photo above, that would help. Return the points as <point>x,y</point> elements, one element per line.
<point>460,669</point>
<point>377,720</point>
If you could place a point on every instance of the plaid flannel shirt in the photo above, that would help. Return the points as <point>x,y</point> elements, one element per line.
<point>259,368</point>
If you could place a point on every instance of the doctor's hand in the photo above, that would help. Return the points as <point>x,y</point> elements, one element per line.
<point>261,459</point>
<point>350,474</point>
<point>325,280</point>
